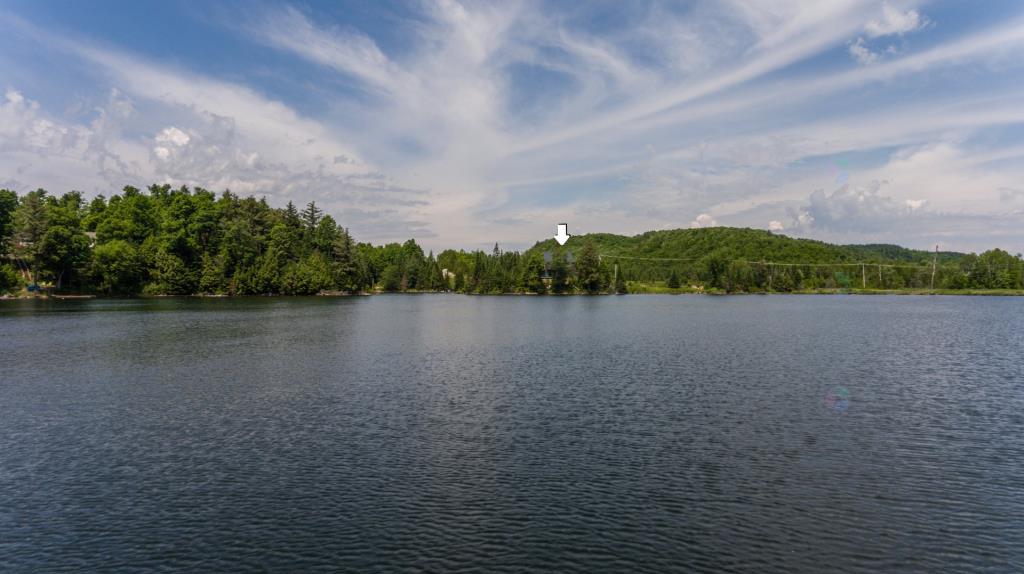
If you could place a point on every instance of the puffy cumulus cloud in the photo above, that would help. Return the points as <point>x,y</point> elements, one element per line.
<point>213,151</point>
<point>111,149</point>
<point>703,220</point>
<point>865,213</point>
<point>168,137</point>
<point>46,151</point>
<point>776,225</point>
<point>227,136</point>
<point>855,209</point>
<point>895,21</point>
<point>23,127</point>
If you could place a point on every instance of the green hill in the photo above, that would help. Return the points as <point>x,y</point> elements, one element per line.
<point>741,244</point>
<point>736,259</point>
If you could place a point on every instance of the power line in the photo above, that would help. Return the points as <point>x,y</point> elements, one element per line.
<point>922,266</point>
<point>650,258</point>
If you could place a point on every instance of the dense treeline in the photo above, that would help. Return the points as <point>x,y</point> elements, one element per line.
<point>750,260</point>
<point>174,241</point>
<point>166,241</point>
<point>581,270</point>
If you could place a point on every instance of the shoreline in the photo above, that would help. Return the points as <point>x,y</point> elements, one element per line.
<point>860,292</point>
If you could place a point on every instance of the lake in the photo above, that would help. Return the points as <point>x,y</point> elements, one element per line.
<point>513,434</point>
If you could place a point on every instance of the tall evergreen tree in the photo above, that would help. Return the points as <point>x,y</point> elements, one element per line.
<point>311,216</point>
<point>592,278</point>
<point>8,204</point>
<point>30,224</point>
<point>673,280</point>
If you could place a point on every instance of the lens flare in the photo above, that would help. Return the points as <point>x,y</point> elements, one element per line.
<point>838,400</point>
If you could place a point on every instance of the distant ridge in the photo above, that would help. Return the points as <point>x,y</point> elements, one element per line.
<point>737,243</point>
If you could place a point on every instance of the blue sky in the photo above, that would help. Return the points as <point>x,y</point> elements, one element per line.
<point>462,124</point>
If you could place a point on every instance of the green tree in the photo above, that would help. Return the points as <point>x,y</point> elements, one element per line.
<point>64,248</point>
<point>30,224</point>
<point>391,279</point>
<point>349,274</point>
<point>533,273</point>
<point>673,280</point>
<point>311,216</point>
<point>129,216</point>
<point>171,276</point>
<point>559,275</point>
<point>120,267</point>
<point>8,205</point>
<point>591,277</point>
<point>307,277</point>
<point>715,269</point>
<point>63,251</point>
<point>9,279</point>
<point>212,276</point>
<point>325,235</point>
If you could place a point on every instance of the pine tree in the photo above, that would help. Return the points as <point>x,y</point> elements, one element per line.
<point>673,281</point>
<point>291,216</point>
<point>311,215</point>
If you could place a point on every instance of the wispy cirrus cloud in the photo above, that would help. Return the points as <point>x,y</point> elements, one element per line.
<point>476,122</point>
<point>201,131</point>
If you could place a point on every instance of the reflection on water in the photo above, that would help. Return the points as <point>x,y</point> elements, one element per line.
<point>513,434</point>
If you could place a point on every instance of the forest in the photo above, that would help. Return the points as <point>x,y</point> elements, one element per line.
<point>182,241</point>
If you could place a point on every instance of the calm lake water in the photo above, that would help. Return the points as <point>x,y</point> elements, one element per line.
<point>519,434</point>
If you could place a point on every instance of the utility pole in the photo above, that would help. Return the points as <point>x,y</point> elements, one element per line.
<point>863,276</point>
<point>935,261</point>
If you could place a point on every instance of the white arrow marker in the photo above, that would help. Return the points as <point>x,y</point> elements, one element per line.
<point>563,233</point>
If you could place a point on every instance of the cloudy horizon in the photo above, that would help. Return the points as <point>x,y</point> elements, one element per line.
<point>465,124</point>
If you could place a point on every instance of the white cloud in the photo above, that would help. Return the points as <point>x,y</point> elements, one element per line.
<point>862,53</point>
<point>242,152</point>
<point>915,204</point>
<point>346,51</point>
<point>667,113</point>
<point>169,140</point>
<point>172,135</point>
<point>775,225</point>
<point>703,220</point>
<point>859,208</point>
<point>895,21</point>
<point>24,126</point>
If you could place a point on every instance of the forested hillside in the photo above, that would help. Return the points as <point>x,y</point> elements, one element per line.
<point>752,260</point>
<point>166,241</point>
<point>748,244</point>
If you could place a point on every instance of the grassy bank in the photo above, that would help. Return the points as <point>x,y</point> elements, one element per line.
<point>642,288</point>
